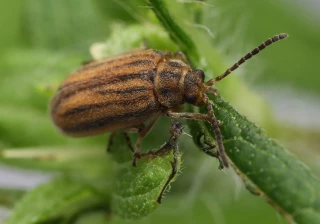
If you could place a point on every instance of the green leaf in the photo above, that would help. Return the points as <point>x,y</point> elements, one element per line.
<point>153,35</point>
<point>139,190</point>
<point>278,176</point>
<point>128,11</point>
<point>9,196</point>
<point>95,217</point>
<point>55,24</point>
<point>56,202</point>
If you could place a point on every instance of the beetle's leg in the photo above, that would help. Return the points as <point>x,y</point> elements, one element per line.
<point>174,165</point>
<point>216,130</point>
<point>210,118</point>
<point>132,130</point>
<point>127,137</point>
<point>142,133</point>
<point>110,142</point>
<point>207,146</point>
<point>135,129</point>
<point>175,130</point>
<point>196,116</point>
<point>208,149</point>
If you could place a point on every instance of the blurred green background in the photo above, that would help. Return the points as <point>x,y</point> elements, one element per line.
<point>42,41</point>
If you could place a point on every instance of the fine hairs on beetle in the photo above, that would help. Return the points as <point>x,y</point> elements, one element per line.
<point>122,93</point>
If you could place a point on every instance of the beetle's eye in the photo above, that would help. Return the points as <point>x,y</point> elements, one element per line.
<point>191,99</point>
<point>199,73</point>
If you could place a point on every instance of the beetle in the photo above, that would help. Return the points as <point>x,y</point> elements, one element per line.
<point>122,93</point>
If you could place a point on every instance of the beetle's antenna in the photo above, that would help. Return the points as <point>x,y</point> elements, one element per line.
<point>216,129</point>
<point>247,57</point>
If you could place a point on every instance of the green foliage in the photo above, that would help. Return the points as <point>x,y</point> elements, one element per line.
<point>52,38</point>
<point>56,202</point>
<point>256,20</point>
<point>138,190</point>
<point>277,175</point>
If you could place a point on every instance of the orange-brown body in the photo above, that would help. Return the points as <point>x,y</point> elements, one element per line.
<point>123,92</point>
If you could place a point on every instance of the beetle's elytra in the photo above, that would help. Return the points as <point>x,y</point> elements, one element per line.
<point>123,92</point>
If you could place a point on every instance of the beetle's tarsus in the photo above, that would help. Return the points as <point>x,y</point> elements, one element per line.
<point>221,166</point>
<point>136,155</point>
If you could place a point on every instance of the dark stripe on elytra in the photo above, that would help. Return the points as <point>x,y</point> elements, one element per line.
<point>96,84</point>
<point>87,126</point>
<point>86,107</point>
<point>101,79</point>
<point>124,91</point>
<point>120,78</point>
<point>116,60</point>
<point>113,69</point>
<point>65,96</point>
<point>131,64</point>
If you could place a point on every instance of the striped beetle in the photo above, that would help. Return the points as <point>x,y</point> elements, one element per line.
<point>123,92</point>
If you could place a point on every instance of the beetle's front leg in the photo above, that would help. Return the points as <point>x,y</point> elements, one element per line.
<point>205,117</point>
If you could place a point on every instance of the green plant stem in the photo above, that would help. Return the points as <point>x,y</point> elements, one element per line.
<point>174,30</point>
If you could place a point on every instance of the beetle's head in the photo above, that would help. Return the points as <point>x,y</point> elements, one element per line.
<point>194,87</point>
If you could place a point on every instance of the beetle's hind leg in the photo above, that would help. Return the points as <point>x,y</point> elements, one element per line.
<point>110,141</point>
<point>142,133</point>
